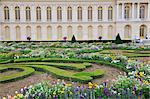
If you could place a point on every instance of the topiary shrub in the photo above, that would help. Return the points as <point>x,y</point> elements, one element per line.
<point>118,39</point>
<point>73,40</point>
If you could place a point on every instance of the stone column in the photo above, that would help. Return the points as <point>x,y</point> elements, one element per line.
<point>64,13</point>
<point>95,14</point>
<point>133,12</point>
<point>85,13</point>
<point>33,13</point>
<point>2,18</point>
<point>12,13</point>
<point>117,11</point>
<point>1,34</point>
<point>148,11</point>
<point>44,13</point>
<point>122,11</point>
<point>138,11</point>
<point>74,13</point>
<point>105,13</point>
<point>54,13</point>
<point>22,14</point>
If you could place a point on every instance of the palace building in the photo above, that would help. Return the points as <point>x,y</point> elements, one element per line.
<point>52,20</point>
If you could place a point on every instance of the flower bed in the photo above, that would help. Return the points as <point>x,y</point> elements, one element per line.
<point>135,84</point>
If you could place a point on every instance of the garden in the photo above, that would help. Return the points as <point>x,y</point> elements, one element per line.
<point>66,70</point>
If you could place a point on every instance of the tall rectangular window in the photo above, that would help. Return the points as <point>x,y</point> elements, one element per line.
<point>38,14</point>
<point>100,13</point>
<point>90,14</point>
<point>110,13</point>
<point>6,13</point>
<point>69,13</point>
<point>17,13</point>
<point>28,14</point>
<point>59,13</point>
<point>49,14</point>
<point>79,12</point>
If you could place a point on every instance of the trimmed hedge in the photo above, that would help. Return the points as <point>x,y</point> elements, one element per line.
<point>24,72</point>
<point>73,76</point>
<point>41,64</point>
<point>71,66</point>
<point>73,60</point>
<point>116,65</point>
<point>27,60</point>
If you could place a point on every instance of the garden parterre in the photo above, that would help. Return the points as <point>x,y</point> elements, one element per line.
<point>135,84</point>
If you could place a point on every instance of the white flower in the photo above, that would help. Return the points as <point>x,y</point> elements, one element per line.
<point>16,92</point>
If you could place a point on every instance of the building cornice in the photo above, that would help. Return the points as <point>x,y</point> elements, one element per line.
<point>57,0</point>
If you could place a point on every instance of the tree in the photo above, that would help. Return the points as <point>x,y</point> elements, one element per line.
<point>118,39</point>
<point>28,38</point>
<point>100,37</point>
<point>73,39</point>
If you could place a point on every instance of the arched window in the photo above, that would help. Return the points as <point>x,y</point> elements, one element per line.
<point>110,13</point>
<point>143,31</point>
<point>80,33</point>
<point>69,32</point>
<point>7,33</point>
<point>90,32</point>
<point>79,13</point>
<point>59,33</point>
<point>18,33</point>
<point>90,13</point>
<point>49,32</point>
<point>38,14</point>
<point>28,14</point>
<point>110,32</point>
<point>100,31</point>
<point>142,12</point>
<point>69,13</point>
<point>59,13</point>
<point>39,33</point>
<point>6,13</point>
<point>49,14</point>
<point>17,13</point>
<point>127,12</point>
<point>127,32</point>
<point>28,31</point>
<point>100,13</point>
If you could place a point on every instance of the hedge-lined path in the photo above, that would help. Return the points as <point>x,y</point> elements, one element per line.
<point>10,88</point>
<point>110,72</point>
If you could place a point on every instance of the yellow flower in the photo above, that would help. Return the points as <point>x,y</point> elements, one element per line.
<point>145,82</point>
<point>4,98</point>
<point>92,85</point>
<point>129,60</point>
<point>141,74</point>
<point>71,92</point>
<point>142,64</point>
<point>54,93</point>
<point>68,85</point>
<point>63,88</point>
<point>61,92</point>
<point>96,85</point>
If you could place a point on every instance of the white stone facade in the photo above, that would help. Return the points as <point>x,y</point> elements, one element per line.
<point>130,18</point>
